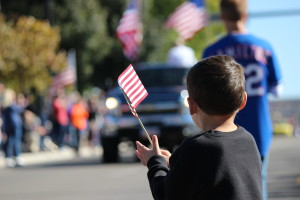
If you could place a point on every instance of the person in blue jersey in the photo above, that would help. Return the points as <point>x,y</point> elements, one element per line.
<point>262,74</point>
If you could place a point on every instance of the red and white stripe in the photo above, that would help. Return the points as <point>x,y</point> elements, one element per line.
<point>132,86</point>
<point>187,19</point>
<point>66,77</point>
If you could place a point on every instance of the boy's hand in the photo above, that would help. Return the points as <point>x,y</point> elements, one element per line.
<point>144,153</point>
<point>166,154</point>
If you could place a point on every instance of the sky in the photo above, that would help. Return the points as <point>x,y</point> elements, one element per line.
<point>283,32</point>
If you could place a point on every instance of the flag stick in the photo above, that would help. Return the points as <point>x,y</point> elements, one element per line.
<point>136,115</point>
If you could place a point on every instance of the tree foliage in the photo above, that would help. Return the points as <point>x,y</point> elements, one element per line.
<point>83,28</point>
<point>28,52</point>
<point>157,40</point>
<point>88,26</point>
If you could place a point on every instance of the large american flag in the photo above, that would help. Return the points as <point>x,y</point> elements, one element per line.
<point>132,86</point>
<point>188,18</point>
<point>129,30</point>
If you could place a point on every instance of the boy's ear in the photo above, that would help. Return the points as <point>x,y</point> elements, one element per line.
<point>192,105</point>
<point>245,17</point>
<point>244,101</point>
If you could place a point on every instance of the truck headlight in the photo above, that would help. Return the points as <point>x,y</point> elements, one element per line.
<point>184,95</point>
<point>111,103</point>
<point>185,102</point>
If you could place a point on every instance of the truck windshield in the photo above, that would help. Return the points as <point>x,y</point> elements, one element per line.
<point>162,77</point>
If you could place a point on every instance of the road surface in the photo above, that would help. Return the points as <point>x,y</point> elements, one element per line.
<point>86,178</point>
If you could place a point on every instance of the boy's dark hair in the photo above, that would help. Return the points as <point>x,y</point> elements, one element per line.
<point>233,10</point>
<point>217,85</point>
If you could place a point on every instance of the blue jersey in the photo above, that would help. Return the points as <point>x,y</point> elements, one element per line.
<point>262,73</point>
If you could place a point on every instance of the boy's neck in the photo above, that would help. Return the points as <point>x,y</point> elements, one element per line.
<point>218,123</point>
<point>237,27</point>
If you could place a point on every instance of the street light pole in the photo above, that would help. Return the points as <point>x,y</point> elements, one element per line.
<point>263,14</point>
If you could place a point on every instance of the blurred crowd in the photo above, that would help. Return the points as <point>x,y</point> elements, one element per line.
<point>31,122</point>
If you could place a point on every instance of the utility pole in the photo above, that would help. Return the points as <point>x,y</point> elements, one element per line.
<point>264,14</point>
<point>48,11</point>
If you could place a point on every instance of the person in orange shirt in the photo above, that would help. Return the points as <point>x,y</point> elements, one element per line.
<point>79,119</point>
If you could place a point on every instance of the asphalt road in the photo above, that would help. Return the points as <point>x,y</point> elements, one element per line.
<point>88,179</point>
<point>75,180</point>
<point>284,169</point>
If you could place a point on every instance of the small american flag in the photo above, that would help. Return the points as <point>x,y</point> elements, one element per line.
<point>129,30</point>
<point>188,18</point>
<point>132,87</point>
<point>134,92</point>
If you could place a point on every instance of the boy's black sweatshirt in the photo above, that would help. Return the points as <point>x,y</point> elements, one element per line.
<point>213,166</point>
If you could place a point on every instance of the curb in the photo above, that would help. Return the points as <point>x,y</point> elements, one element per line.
<point>55,155</point>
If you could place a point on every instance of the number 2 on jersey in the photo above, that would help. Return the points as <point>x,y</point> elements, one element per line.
<point>254,74</point>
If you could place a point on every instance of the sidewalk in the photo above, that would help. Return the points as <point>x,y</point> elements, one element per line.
<point>55,155</point>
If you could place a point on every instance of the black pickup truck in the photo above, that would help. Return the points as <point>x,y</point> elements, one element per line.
<point>164,111</point>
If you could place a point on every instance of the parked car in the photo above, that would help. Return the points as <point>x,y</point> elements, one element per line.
<point>164,111</point>
<point>283,128</point>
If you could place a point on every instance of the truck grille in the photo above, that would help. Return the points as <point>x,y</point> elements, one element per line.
<point>154,108</point>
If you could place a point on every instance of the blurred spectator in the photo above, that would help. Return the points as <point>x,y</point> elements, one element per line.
<point>22,102</point>
<point>1,139</point>
<point>97,110</point>
<point>1,135</point>
<point>31,131</point>
<point>181,55</point>
<point>1,107</point>
<point>36,105</point>
<point>79,119</point>
<point>12,127</point>
<point>60,118</point>
<point>93,112</point>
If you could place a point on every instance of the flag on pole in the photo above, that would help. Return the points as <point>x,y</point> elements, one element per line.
<point>134,92</point>
<point>132,87</point>
<point>188,18</point>
<point>68,75</point>
<point>133,111</point>
<point>129,30</point>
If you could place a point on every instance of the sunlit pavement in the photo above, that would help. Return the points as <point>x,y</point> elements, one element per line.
<point>64,154</point>
<point>284,169</point>
<point>284,164</point>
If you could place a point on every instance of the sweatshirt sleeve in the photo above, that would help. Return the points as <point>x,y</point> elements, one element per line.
<point>176,182</point>
<point>158,170</point>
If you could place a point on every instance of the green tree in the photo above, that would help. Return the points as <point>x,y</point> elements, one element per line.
<point>89,26</point>
<point>83,28</point>
<point>156,39</point>
<point>28,53</point>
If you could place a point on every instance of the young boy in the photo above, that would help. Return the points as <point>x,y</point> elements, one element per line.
<point>223,161</point>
